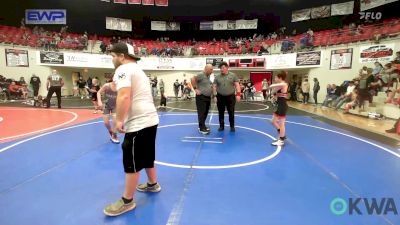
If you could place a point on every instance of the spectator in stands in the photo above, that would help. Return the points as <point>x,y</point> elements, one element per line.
<point>16,90</point>
<point>397,58</point>
<point>263,50</point>
<point>305,90</point>
<point>363,71</point>
<point>22,81</point>
<point>353,102</point>
<point>377,37</point>
<point>287,45</point>
<point>143,50</point>
<point>310,32</point>
<point>332,94</point>
<point>392,93</point>
<point>316,89</point>
<point>26,36</point>
<point>305,41</point>
<point>282,31</point>
<point>114,40</point>
<point>103,47</point>
<point>274,36</point>
<point>345,98</point>
<point>359,30</point>
<point>388,73</point>
<point>35,30</point>
<point>364,87</point>
<point>378,68</point>
<point>23,23</point>
<point>64,30</point>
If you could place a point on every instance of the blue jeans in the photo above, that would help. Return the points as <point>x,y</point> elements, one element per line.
<point>341,100</point>
<point>329,99</point>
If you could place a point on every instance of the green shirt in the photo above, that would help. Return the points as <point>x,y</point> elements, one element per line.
<point>225,83</point>
<point>204,84</point>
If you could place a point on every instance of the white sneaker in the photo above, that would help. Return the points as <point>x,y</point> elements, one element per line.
<point>278,142</point>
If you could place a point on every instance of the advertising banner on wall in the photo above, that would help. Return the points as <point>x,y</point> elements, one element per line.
<point>56,58</point>
<point>17,58</point>
<point>214,61</point>
<point>376,53</point>
<point>341,59</point>
<point>281,61</point>
<point>308,59</point>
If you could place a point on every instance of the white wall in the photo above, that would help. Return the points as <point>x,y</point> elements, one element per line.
<point>323,73</point>
<point>44,71</point>
<point>16,72</point>
<point>169,77</point>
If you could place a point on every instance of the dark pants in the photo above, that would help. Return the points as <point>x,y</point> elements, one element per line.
<point>227,102</point>
<point>315,95</point>
<point>57,90</point>
<point>35,91</point>
<point>293,96</point>
<point>203,107</point>
<point>306,96</point>
<point>264,94</point>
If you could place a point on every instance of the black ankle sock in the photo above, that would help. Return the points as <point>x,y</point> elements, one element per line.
<point>151,185</point>
<point>282,138</point>
<point>126,201</point>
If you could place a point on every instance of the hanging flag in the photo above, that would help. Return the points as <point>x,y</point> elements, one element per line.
<point>120,1</point>
<point>321,12</point>
<point>369,4</point>
<point>159,25</point>
<point>134,2</point>
<point>161,2</point>
<point>220,25</point>
<point>207,25</point>
<point>345,8</point>
<point>147,2</point>
<point>299,15</point>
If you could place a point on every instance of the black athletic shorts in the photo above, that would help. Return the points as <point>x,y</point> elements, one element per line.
<point>94,97</point>
<point>282,107</point>
<point>139,149</point>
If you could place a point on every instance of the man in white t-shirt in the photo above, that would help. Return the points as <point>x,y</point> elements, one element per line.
<point>136,117</point>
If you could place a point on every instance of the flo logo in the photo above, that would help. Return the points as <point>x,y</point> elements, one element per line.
<point>370,15</point>
<point>363,206</point>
